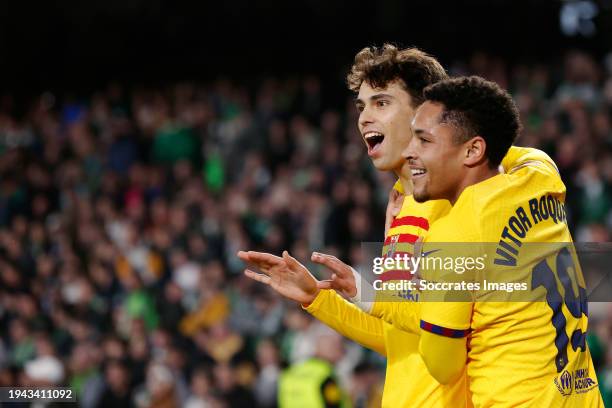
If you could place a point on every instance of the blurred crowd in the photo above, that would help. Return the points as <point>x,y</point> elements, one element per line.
<point>121,213</point>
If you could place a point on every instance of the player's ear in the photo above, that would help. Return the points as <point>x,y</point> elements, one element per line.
<point>475,151</point>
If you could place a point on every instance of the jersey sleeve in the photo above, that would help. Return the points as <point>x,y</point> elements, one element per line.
<point>446,298</point>
<point>444,357</point>
<point>348,320</point>
<point>404,315</point>
<point>445,306</point>
<point>448,319</point>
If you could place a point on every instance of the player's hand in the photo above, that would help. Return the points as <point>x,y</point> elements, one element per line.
<point>285,275</point>
<point>342,278</point>
<point>394,205</point>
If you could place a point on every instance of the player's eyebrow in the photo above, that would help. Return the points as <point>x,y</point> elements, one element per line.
<point>374,97</point>
<point>380,96</point>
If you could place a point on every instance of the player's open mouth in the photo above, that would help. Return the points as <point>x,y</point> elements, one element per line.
<point>374,141</point>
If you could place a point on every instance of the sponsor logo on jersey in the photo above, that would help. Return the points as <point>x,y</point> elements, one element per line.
<point>564,383</point>
<point>578,381</point>
<point>582,381</point>
<point>424,254</point>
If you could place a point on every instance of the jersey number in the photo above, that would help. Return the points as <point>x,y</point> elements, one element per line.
<point>542,275</point>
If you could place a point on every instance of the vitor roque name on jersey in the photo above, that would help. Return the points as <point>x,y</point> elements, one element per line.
<point>543,209</point>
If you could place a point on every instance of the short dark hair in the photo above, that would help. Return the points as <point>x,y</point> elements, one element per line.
<point>380,66</point>
<point>478,107</point>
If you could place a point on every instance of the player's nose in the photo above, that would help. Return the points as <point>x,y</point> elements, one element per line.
<point>409,152</point>
<point>365,118</point>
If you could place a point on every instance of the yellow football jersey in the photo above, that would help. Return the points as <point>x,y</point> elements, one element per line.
<point>520,353</point>
<point>407,381</point>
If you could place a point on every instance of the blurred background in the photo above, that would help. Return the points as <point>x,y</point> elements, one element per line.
<point>142,143</point>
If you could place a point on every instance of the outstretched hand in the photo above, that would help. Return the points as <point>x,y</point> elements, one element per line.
<point>285,275</point>
<point>342,278</point>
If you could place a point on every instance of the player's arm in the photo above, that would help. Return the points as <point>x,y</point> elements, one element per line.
<point>292,280</point>
<point>444,327</point>
<point>347,319</point>
<point>401,314</point>
<point>445,319</point>
<point>444,357</point>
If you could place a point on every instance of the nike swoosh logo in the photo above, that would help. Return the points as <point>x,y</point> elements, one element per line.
<point>424,254</point>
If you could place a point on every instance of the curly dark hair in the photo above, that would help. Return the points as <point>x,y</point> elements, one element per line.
<point>476,106</point>
<point>380,66</point>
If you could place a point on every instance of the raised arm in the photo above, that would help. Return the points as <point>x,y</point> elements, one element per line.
<point>403,315</point>
<point>292,280</point>
<point>347,319</point>
<point>442,347</point>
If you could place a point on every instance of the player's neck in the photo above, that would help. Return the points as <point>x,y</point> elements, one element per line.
<point>474,176</point>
